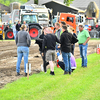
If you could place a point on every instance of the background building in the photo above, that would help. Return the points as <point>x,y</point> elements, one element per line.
<point>40,2</point>
<point>4,8</point>
<point>30,2</point>
<point>82,4</point>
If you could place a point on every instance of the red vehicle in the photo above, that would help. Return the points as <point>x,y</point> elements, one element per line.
<point>2,35</point>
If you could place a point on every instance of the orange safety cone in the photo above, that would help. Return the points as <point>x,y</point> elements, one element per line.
<point>57,63</point>
<point>98,49</point>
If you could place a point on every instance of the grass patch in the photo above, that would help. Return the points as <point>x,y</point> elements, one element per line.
<point>83,84</point>
<point>95,39</point>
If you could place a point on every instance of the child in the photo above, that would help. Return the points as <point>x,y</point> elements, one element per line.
<point>61,63</point>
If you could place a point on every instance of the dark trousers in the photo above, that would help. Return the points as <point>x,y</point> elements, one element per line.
<point>45,63</point>
<point>72,48</point>
<point>62,65</point>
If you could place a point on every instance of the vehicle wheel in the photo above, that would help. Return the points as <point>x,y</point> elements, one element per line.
<point>9,34</point>
<point>34,31</point>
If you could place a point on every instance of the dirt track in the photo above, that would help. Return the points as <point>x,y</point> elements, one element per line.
<point>8,59</point>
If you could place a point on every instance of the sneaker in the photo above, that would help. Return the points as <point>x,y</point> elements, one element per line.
<point>52,73</point>
<point>84,66</point>
<point>65,72</point>
<point>42,68</point>
<point>18,74</point>
<point>69,73</point>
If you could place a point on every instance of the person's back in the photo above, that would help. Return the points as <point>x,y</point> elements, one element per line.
<point>51,41</point>
<point>66,40</point>
<point>23,42</point>
<point>23,39</point>
<point>49,44</point>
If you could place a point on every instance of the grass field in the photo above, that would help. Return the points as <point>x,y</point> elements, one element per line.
<point>83,84</point>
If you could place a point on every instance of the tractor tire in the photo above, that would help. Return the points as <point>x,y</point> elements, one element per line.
<point>34,31</point>
<point>9,34</point>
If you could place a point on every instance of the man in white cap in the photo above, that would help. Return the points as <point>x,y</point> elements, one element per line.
<point>83,38</point>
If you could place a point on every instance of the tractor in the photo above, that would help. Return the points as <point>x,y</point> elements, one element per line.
<point>23,15</point>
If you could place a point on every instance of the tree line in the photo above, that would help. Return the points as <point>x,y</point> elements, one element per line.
<point>7,2</point>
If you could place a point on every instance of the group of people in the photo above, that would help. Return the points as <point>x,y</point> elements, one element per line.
<point>16,27</point>
<point>62,40</point>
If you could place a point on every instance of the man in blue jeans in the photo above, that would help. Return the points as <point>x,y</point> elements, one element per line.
<point>66,40</point>
<point>83,38</point>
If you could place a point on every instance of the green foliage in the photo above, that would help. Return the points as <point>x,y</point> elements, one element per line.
<point>7,2</point>
<point>68,2</point>
<point>36,1</point>
<point>83,84</point>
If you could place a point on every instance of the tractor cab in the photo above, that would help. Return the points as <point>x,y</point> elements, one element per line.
<point>29,18</point>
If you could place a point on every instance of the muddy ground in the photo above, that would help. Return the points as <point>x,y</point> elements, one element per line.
<point>8,59</point>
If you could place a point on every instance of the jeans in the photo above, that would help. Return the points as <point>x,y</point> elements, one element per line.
<point>22,51</point>
<point>57,49</point>
<point>67,61</point>
<point>14,32</point>
<point>83,54</point>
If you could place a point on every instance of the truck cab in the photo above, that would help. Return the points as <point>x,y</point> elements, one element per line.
<point>42,12</point>
<point>70,19</point>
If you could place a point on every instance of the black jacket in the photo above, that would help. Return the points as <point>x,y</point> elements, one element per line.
<point>6,28</point>
<point>39,41</point>
<point>66,40</point>
<point>18,27</point>
<point>49,42</point>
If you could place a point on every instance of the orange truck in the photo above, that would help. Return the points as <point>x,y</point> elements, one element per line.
<point>70,19</point>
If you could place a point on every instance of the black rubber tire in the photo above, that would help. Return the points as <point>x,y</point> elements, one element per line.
<point>33,33</point>
<point>10,36</point>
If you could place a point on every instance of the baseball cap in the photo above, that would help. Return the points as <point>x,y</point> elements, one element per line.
<point>81,24</point>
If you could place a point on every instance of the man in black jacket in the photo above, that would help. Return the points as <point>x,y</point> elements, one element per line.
<point>18,25</point>
<point>49,44</point>
<point>66,40</point>
<point>39,41</point>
